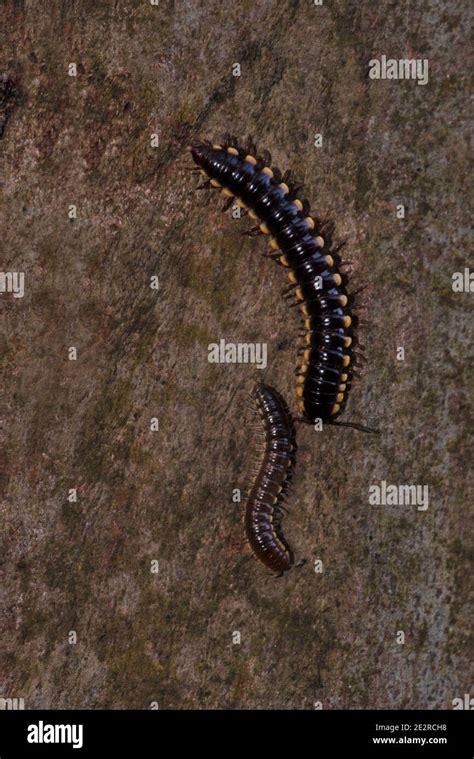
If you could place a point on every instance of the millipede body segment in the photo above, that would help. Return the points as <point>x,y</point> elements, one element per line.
<point>263,510</point>
<point>324,375</point>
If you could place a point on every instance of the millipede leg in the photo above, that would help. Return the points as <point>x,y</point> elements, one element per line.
<point>253,232</point>
<point>227,205</point>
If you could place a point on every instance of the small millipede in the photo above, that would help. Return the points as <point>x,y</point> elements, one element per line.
<point>264,508</point>
<point>324,376</point>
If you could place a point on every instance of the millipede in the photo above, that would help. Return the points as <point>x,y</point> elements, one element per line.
<point>264,508</point>
<point>326,369</point>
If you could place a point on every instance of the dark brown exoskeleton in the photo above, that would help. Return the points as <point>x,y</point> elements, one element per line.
<point>264,508</point>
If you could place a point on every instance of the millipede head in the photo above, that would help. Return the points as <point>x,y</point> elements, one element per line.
<point>200,153</point>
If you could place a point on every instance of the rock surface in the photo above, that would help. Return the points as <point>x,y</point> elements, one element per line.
<point>331,637</point>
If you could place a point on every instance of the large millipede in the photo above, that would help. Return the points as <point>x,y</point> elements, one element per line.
<point>324,376</point>
<point>264,508</point>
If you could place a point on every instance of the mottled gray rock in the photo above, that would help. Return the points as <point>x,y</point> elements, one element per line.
<point>84,566</point>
